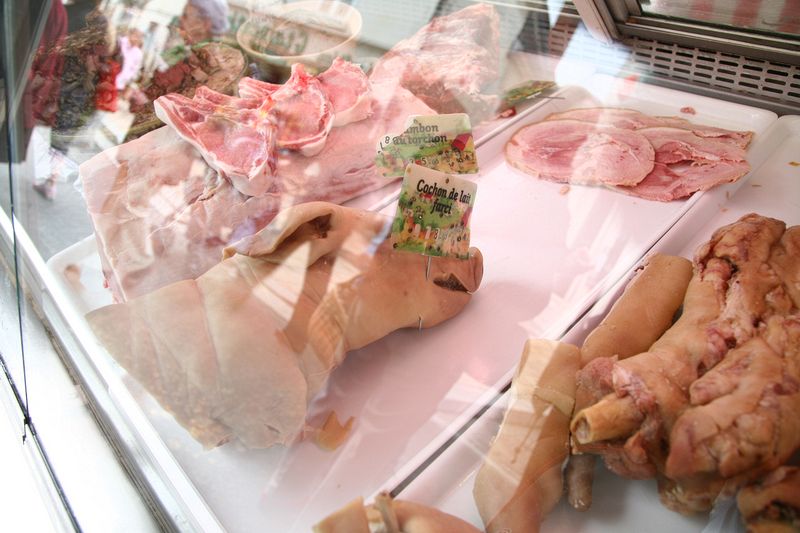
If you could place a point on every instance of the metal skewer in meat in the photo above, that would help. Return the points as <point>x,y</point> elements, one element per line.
<point>636,120</point>
<point>656,158</point>
<point>520,480</point>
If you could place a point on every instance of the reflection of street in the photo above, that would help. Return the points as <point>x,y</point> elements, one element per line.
<point>766,15</point>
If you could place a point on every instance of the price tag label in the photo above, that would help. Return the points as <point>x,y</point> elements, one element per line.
<point>439,142</point>
<point>433,213</point>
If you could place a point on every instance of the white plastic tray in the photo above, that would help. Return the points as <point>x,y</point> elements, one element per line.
<point>548,257</point>
<point>773,189</point>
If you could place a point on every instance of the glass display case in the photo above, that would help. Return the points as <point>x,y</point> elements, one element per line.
<point>266,262</point>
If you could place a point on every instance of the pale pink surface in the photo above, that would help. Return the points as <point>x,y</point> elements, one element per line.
<point>161,214</point>
<point>572,151</point>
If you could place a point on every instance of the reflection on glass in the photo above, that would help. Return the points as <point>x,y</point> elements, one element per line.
<point>774,16</point>
<point>177,150</point>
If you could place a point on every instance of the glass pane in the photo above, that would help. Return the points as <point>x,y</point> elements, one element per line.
<point>212,189</point>
<point>771,16</point>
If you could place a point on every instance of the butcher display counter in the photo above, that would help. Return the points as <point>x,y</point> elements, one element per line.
<point>426,266</point>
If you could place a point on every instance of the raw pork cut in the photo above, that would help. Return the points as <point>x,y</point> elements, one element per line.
<point>241,351</point>
<point>348,89</point>
<point>238,136</point>
<point>451,63</point>
<point>238,143</point>
<point>256,89</point>
<point>634,120</point>
<point>714,401</point>
<point>303,113</point>
<point>571,151</point>
<point>345,85</point>
<point>161,215</point>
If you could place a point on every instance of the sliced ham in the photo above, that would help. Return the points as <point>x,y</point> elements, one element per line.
<point>344,83</point>
<point>205,94</point>
<point>571,151</point>
<point>303,113</point>
<point>672,182</point>
<point>674,145</point>
<point>738,138</point>
<point>349,91</point>
<point>687,157</point>
<point>619,117</point>
<point>238,143</point>
<point>634,120</point>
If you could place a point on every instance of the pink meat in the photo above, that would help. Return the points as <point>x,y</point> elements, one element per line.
<point>259,90</point>
<point>204,94</point>
<point>571,151</point>
<point>451,64</point>
<point>161,214</point>
<point>619,117</point>
<point>674,145</point>
<point>344,83</point>
<point>635,120</point>
<point>348,90</point>
<point>238,143</point>
<point>303,113</point>
<point>671,182</point>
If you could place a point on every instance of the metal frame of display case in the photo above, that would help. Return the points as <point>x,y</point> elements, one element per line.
<point>625,18</point>
<point>749,67</point>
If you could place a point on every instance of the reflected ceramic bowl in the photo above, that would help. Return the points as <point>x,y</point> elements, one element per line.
<point>311,32</point>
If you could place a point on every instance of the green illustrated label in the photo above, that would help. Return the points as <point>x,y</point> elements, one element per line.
<point>440,142</point>
<point>433,213</point>
<point>522,92</point>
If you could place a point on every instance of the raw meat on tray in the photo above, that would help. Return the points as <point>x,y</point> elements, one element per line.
<point>570,151</point>
<point>655,158</point>
<point>238,136</point>
<point>241,351</point>
<point>161,214</point>
<point>451,64</point>
<point>634,120</point>
<point>349,91</point>
<point>713,404</point>
<point>345,85</point>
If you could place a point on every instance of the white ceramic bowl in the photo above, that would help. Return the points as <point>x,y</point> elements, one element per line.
<point>311,32</point>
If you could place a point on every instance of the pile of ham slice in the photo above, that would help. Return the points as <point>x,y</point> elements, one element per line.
<point>165,205</point>
<point>656,158</point>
